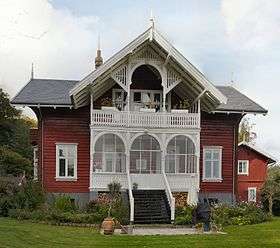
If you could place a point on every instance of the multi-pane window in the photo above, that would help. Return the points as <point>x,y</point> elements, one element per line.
<point>243,167</point>
<point>109,154</point>
<point>145,155</point>
<point>66,161</point>
<point>180,157</point>
<point>252,194</point>
<point>212,163</point>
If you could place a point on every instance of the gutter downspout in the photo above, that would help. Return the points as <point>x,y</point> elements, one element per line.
<point>42,145</point>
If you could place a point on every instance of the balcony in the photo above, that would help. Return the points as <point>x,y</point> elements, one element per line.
<point>145,119</point>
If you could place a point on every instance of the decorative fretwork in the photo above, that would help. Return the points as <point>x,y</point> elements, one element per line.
<point>147,54</point>
<point>120,75</point>
<point>172,79</point>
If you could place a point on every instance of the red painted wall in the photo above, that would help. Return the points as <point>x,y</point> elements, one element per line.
<point>69,126</point>
<point>257,172</point>
<point>65,125</point>
<point>220,130</point>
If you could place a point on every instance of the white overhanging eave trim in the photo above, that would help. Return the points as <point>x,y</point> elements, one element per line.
<point>172,52</point>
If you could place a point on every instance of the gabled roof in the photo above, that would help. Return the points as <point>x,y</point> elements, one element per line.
<point>52,92</point>
<point>45,92</point>
<point>79,92</point>
<point>258,150</point>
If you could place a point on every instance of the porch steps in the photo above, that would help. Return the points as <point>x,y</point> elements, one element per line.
<point>151,207</point>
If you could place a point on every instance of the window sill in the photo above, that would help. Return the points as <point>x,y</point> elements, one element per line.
<point>66,179</point>
<point>212,180</point>
<point>243,174</point>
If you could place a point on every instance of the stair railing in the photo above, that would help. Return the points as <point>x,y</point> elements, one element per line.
<point>170,197</point>
<point>131,198</point>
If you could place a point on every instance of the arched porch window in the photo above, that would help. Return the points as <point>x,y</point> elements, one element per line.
<point>180,155</point>
<point>109,154</point>
<point>145,155</point>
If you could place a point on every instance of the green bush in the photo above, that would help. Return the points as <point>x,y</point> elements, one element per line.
<point>12,163</point>
<point>239,214</point>
<point>63,203</point>
<point>183,215</point>
<point>12,196</point>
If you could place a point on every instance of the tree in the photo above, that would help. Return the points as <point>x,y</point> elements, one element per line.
<point>7,111</point>
<point>15,147</point>
<point>271,188</point>
<point>245,131</point>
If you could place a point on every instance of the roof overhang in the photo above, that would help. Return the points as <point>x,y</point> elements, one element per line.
<point>211,96</point>
<point>258,150</point>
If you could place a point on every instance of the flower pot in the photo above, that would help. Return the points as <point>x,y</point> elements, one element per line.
<point>108,226</point>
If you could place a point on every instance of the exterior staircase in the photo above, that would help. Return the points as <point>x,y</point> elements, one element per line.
<point>151,207</point>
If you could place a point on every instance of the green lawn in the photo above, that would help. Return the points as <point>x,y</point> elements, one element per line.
<point>26,234</point>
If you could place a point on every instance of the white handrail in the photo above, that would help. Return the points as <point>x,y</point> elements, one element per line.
<point>131,198</point>
<point>170,197</point>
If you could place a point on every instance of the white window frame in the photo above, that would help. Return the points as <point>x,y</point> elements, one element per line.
<point>122,102</point>
<point>66,178</point>
<point>255,190</point>
<point>220,150</point>
<point>35,162</point>
<point>246,163</point>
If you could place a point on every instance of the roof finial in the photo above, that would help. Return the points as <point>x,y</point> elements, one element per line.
<point>98,58</point>
<point>152,19</point>
<point>32,71</point>
<point>232,80</point>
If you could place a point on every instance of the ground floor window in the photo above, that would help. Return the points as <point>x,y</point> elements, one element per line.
<point>66,161</point>
<point>252,194</point>
<point>109,154</point>
<point>145,155</point>
<point>180,157</point>
<point>212,163</point>
<point>35,162</point>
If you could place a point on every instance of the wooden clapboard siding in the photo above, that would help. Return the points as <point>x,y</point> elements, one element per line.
<point>66,126</point>
<point>257,172</point>
<point>220,130</point>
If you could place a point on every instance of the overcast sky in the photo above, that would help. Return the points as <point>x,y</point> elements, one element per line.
<point>227,40</point>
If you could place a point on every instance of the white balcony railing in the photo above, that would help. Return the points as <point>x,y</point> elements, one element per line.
<point>150,120</point>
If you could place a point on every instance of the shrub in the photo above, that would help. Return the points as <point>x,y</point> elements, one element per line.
<point>183,215</point>
<point>240,214</point>
<point>13,163</point>
<point>63,203</point>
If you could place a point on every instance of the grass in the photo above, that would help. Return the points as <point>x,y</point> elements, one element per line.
<point>15,233</point>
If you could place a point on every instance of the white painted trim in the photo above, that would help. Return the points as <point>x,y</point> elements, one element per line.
<point>255,190</point>
<point>246,173</point>
<point>186,65</point>
<point>212,179</point>
<point>66,178</point>
<point>257,149</point>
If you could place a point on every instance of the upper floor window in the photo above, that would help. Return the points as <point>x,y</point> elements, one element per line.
<point>243,167</point>
<point>66,161</point>
<point>119,99</point>
<point>252,194</point>
<point>212,163</point>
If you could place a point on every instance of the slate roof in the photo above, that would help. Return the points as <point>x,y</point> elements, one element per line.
<point>45,92</point>
<point>56,92</point>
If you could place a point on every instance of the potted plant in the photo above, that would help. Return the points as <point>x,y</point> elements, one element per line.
<point>183,107</point>
<point>199,227</point>
<point>135,186</point>
<point>108,224</point>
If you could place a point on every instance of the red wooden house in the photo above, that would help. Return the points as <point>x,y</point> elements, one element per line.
<point>252,171</point>
<point>146,117</point>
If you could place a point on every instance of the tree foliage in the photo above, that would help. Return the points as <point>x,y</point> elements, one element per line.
<point>246,131</point>
<point>15,147</point>
<point>271,187</point>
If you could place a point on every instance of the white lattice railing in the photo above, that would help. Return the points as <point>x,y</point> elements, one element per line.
<point>139,119</point>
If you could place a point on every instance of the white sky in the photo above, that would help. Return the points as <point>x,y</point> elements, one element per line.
<point>220,37</point>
